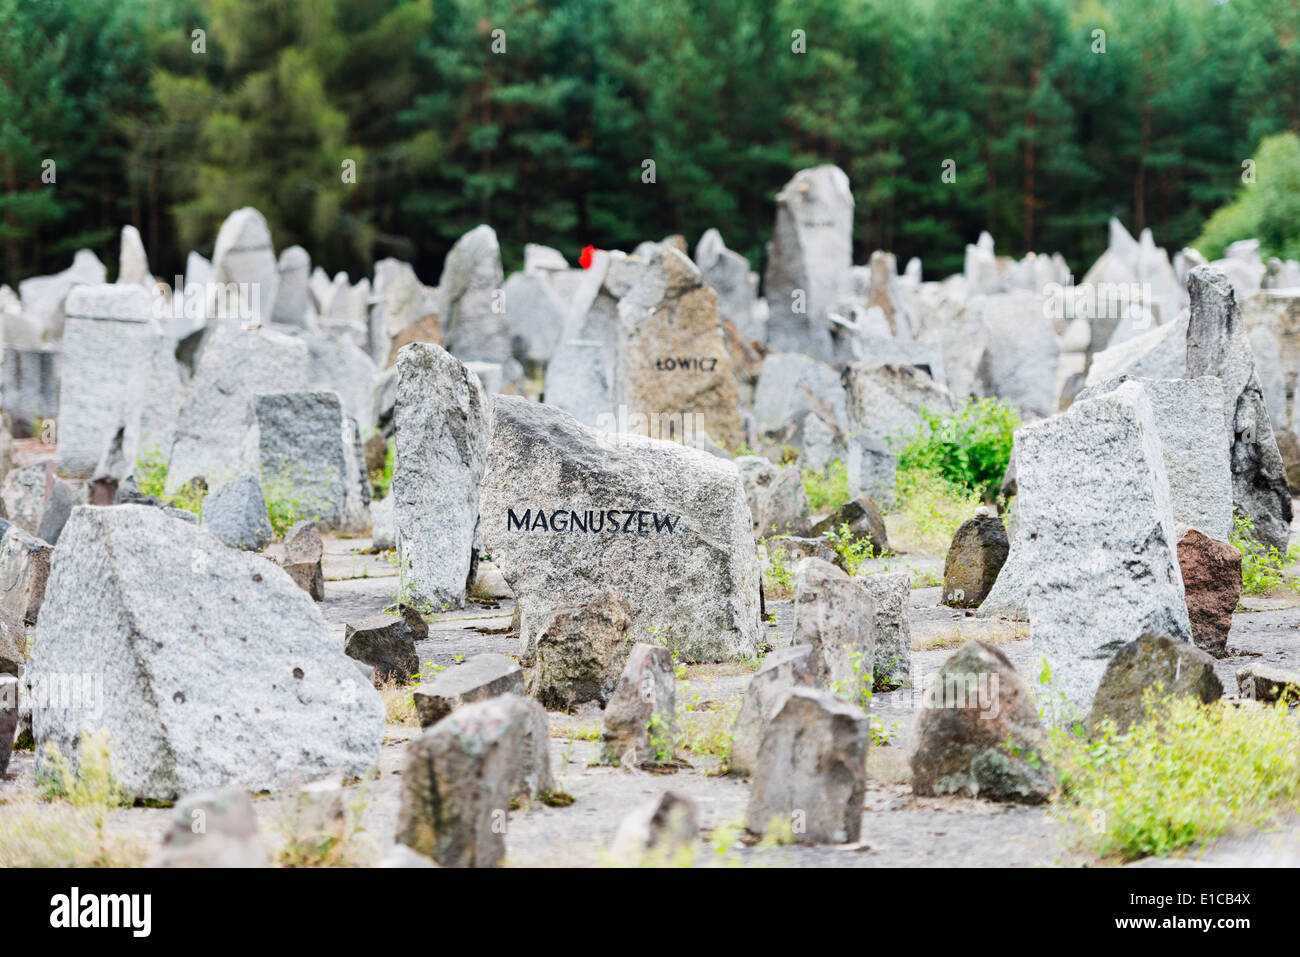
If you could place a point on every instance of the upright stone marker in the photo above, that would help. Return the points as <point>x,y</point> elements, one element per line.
<point>107,334</point>
<point>472,302</point>
<point>244,255</point>
<point>297,444</point>
<point>292,297</point>
<point>728,274</point>
<point>1098,529</point>
<point>808,260</point>
<point>671,360</point>
<point>442,432</point>
<point>212,434</point>
<point>1217,345</point>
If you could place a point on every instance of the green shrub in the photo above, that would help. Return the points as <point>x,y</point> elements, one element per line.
<point>1186,775</point>
<point>1267,209</point>
<point>151,472</point>
<point>828,488</point>
<point>853,551</point>
<point>286,504</point>
<point>151,477</point>
<point>382,479</point>
<point>1261,566</point>
<point>969,448</point>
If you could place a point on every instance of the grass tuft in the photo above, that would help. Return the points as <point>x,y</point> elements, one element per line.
<point>1188,774</point>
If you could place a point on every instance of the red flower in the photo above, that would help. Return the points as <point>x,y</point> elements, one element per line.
<point>585,259</point>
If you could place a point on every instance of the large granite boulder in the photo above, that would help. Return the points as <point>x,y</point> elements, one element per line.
<point>1097,530</point>
<point>569,514</point>
<point>1217,345</point>
<point>217,671</point>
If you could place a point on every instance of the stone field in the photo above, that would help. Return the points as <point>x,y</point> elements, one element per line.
<point>652,559</point>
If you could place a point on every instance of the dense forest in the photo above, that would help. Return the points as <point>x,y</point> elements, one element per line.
<point>372,128</point>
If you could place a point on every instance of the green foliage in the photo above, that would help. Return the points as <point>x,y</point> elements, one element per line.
<point>151,473</point>
<point>969,448</point>
<point>313,839</point>
<point>151,477</point>
<point>927,510</point>
<point>1267,209</point>
<point>190,497</point>
<point>859,691</point>
<point>381,479</point>
<point>705,726</point>
<point>75,78</point>
<point>547,140</point>
<point>65,823</point>
<point>828,488</point>
<point>778,575</point>
<point>853,551</point>
<point>1262,567</point>
<point>663,745</point>
<point>286,502</point>
<point>1187,774</point>
<point>88,784</point>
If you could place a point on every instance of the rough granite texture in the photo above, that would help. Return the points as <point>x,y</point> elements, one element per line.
<point>442,431</point>
<point>808,260</point>
<point>1098,531</point>
<point>235,364</point>
<point>811,771</point>
<point>1159,663</point>
<point>569,514</point>
<point>978,733</point>
<point>220,672</point>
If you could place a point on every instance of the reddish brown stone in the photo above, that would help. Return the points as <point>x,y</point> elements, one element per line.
<point>426,329</point>
<point>1212,581</point>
